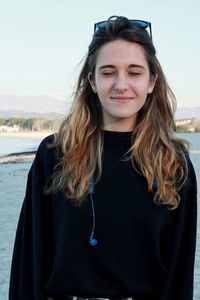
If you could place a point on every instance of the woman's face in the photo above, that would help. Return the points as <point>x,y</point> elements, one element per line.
<point>122,81</point>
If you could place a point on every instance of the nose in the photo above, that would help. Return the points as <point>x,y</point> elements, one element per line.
<point>121,83</point>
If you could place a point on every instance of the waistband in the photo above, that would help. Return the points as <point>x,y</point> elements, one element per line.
<point>68,297</point>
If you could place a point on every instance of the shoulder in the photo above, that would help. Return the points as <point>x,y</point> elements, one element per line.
<point>188,192</point>
<point>191,175</point>
<point>46,146</point>
<point>49,140</point>
<point>188,161</point>
<point>183,154</point>
<point>46,156</point>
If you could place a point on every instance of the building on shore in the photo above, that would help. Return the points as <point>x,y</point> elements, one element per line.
<point>14,128</point>
<point>188,125</point>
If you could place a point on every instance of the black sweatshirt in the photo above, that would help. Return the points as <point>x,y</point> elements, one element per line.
<point>143,251</point>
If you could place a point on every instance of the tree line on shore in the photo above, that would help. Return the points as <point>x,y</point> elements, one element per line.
<point>30,124</point>
<point>192,125</point>
<point>44,124</point>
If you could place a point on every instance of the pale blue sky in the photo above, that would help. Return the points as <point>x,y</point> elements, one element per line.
<point>43,41</point>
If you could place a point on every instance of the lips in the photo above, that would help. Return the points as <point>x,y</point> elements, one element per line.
<point>122,98</point>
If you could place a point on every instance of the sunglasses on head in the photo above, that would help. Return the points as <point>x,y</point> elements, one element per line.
<point>135,23</point>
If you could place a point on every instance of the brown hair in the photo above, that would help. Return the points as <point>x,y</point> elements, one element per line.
<point>157,155</point>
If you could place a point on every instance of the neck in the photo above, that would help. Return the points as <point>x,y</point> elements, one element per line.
<point>118,127</point>
<point>119,124</point>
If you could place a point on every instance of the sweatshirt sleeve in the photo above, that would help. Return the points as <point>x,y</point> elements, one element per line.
<point>180,252</point>
<point>32,248</point>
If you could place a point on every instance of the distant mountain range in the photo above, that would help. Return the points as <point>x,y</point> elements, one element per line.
<point>187,113</point>
<point>6,114</point>
<point>31,106</point>
<point>12,105</point>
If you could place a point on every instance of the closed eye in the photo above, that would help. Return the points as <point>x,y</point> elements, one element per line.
<point>135,73</point>
<point>108,73</point>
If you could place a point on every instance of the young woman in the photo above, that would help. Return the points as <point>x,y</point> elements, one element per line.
<point>110,209</point>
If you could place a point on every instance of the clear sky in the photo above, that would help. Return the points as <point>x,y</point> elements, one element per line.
<point>43,41</point>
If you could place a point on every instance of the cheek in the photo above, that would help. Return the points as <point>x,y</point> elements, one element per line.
<point>141,87</point>
<point>103,86</point>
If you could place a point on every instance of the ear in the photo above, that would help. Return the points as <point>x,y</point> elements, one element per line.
<point>152,83</point>
<point>92,82</point>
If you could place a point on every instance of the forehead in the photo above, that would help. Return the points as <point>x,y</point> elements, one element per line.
<point>120,52</point>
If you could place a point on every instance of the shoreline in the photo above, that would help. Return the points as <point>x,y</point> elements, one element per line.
<point>17,157</point>
<point>27,134</point>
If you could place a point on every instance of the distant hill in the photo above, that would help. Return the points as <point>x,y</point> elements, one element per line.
<point>187,113</point>
<point>22,114</point>
<point>28,106</point>
<point>31,105</point>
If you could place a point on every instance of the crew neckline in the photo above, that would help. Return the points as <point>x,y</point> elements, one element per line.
<point>117,135</point>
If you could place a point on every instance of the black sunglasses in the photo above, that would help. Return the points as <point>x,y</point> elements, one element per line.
<point>137,23</point>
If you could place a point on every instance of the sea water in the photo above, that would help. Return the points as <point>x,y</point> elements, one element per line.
<point>10,145</point>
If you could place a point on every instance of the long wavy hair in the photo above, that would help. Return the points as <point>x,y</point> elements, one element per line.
<point>155,152</point>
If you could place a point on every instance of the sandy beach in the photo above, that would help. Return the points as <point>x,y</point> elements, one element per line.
<point>31,134</point>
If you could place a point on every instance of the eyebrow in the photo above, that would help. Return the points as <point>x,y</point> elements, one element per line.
<point>113,67</point>
<point>136,66</point>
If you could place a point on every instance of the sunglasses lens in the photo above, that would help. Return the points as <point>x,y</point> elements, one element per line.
<point>137,23</point>
<point>101,24</point>
<point>140,24</point>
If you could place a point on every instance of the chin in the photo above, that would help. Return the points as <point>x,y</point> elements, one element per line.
<point>126,116</point>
